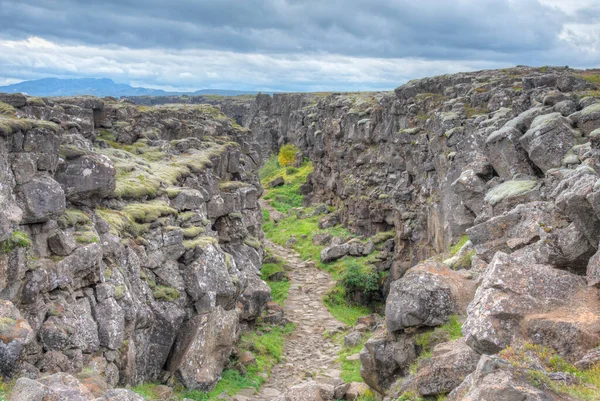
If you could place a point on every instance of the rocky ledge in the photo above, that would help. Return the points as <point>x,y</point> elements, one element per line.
<point>131,244</point>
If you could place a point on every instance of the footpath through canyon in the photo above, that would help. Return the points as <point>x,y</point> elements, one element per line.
<point>437,242</point>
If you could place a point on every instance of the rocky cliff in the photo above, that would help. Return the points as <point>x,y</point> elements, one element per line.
<point>131,241</point>
<point>508,157</point>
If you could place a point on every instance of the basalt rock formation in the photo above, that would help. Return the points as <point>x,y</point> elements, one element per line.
<point>132,234</point>
<point>131,243</point>
<point>508,157</point>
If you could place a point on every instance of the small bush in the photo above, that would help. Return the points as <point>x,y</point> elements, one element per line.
<point>287,154</point>
<point>362,281</point>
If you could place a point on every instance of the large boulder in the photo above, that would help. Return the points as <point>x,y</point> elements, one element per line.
<point>471,189</point>
<point>87,179</point>
<point>518,299</point>
<point>386,357</point>
<point>522,226</point>
<point>575,197</point>
<point>203,347</point>
<point>41,199</point>
<point>548,140</point>
<point>446,369</point>
<point>57,387</point>
<point>426,296</point>
<point>15,333</point>
<point>506,154</point>
<point>334,252</point>
<point>496,380</point>
<point>589,118</point>
<point>208,281</point>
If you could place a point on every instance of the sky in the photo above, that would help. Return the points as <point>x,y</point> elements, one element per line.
<point>289,45</point>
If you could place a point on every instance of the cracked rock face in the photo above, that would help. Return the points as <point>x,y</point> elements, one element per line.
<point>124,250</point>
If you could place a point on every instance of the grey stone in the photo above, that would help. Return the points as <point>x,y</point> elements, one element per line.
<point>41,199</point>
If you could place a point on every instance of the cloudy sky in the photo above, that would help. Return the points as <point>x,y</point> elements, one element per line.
<point>289,45</point>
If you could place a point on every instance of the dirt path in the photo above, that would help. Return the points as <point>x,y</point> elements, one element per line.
<point>308,354</point>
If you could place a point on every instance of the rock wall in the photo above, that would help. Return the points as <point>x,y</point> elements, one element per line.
<point>420,160</point>
<point>509,157</point>
<point>130,239</point>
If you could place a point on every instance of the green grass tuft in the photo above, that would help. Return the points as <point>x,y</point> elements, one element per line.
<point>18,239</point>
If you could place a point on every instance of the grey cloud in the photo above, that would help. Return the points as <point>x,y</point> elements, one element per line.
<point>362,28</point>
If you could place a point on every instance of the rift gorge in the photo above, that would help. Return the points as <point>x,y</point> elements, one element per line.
<point>436,242</point>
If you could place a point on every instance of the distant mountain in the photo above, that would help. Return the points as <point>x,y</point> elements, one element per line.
<point>100,87</point>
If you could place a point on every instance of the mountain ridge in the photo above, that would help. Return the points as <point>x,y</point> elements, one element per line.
<point>100,87</point>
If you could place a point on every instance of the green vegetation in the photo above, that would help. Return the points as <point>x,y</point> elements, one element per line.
<point>86,237</point>
<point>135,218</point>
<point>592,76</point>
<point>287,154</point>
<point>279,289</point>
<point>475,111</point>
<point>287,196</point>
<point>73,218</point>
<point>266,344</point>
<point>459,244</point>
<point>6,387</point>
<point>350,369</point>
<point>9,125</point>
<point>537,362</point>
<point>363,279</point>
<point>509,189</point>
<point>142,170</point>
<point>350,271</point>
<point>18,239</point>
<point>426,341</point>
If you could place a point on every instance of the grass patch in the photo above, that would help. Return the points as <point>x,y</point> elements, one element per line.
<point>287,196</point>
<point>6,387</point>
<point>351,369</point>
<point>73,218</point>
<point>142,170</point>
<point>135,218</point>
<point>426,341</point>
<point>279,289</point>
<point>266,343</point>
<point>18,239</point>
<point>459,244</point>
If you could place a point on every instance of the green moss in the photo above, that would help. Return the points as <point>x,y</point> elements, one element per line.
<point>7,110</point>
<point>459,244</point>
<point>10,125</point>
<point>165,293</point>
<point>200,242</point>
<point>253,242</point>
<point>140,176</point>
<point>73,218</point>
<point>86,237</point>
<point>120,291</point>
<point>230,186</point>
<point>135,218</point>
<point>509,189</point>
<point>17,239</point>
<point>537,362</point>
<point>426,341</point>
<point>382,237</point>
